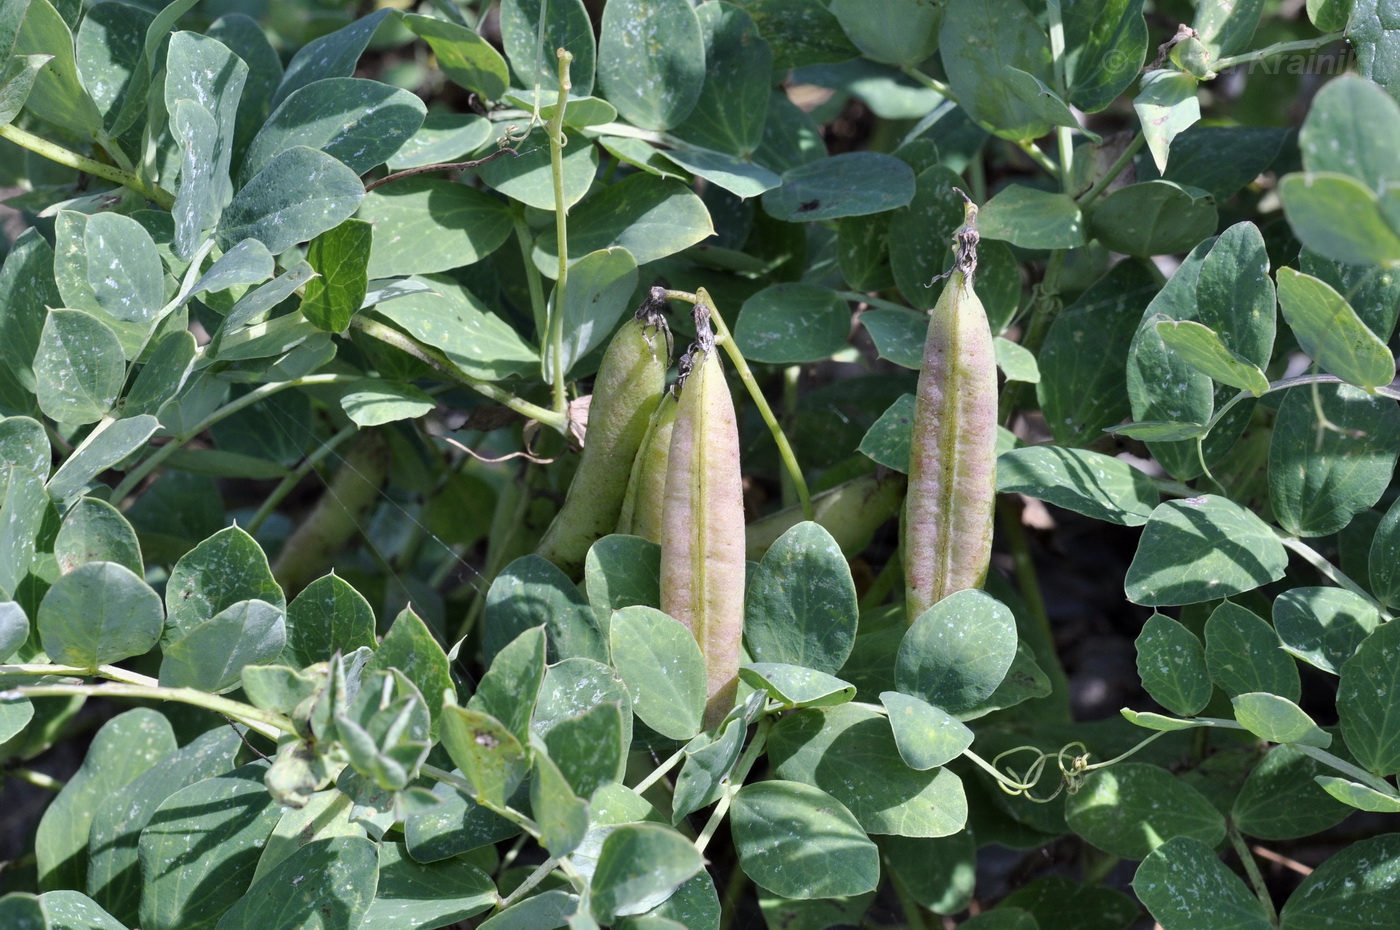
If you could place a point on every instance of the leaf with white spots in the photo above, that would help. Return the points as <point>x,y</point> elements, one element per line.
<point>358,121</point>
<point>301,193</point>
<point>1358,888</point>
<point>651,60</point>
<point>640,865</point>
<point>1200,548</point>
<point>1172,665</point>
<point>332,55</point>
<point>800,842</point>
<point>210,655</point>
<point>1244,654</point>
<point>224,569</point>
<point>107,264</point>
<point>97,614</point>
<point>325,885</point>
<point>661,664</point>
<point>957,652</point>
<point>416,896</point>
<point>79,367</point>
<point>532,58</point>
<point>1186,887</point>
<point>1368,701</point>
<point>423,225</point>
<point>102,449</point>
<point>793,322</point>
<point>1090,483</point>
<point>468,60</point>
<point>801,607</point>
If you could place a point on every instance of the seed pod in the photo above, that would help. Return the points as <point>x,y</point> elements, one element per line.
<point>702,540</point>
<point>629,384</point>
<point>851,512</point>
<point>644,504</point>
<point>952,453</point>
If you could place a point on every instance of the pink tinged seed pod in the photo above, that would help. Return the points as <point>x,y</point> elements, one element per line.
<point>952,454</point>
<point>702,539</point>
<point>644,506</point>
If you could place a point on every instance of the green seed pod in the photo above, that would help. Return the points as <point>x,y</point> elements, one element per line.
<point>646,490</point>
<point>952,454</point>
<point>851,512</point>
<point>629,384</point>
<point>702,540</point>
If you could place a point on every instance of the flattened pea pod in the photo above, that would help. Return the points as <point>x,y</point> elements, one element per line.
<point>644,504</point>
<point>702,540</point>
<point>625,392</point>
<point>952,461</point>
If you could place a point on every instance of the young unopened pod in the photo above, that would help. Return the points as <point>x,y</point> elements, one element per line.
<point>952,453</point>
<point>629,384</point>
<point>645,502</point>
<point>702,539</point>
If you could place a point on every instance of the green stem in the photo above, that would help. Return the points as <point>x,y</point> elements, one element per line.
<point>931,83</point>
<point>660,771</point>
<point>1251,869</point>
<point>741,366</point>
<point>440,363</point>
<point>1115,169</point>
<point>1040,158</point>
<point>1278,48</point>
<point>37,779</point>
<point>561,229</point>
<point>791,375</point>
<point>285,486</point>
<point>1331,572</point>
<point>1057,56</point>
<point>268,724</point>
<point>54,152</point>
<point>1346,768</point>
<point>464,786</point>
<point>884,583</point>
<point>913,911</point>
<point>534,878</point>
<point>736,781</point>
<point>138,474</point>
<point>533,280</point>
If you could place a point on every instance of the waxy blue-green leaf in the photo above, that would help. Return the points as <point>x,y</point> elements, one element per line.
<point>1166,106</point>
<point>299,194</point>
<point>24,911</point>
<point>122,749</point>
<point>26,291</point>
<point>1226,28</point>
<point>925,736</point>
<point>410,647</point>
<point>475,338</point>
<point>800,842</point>
<point>640,865</point>
<point>801,606</point>
<point>849,751</point>
<point>376,402</point>
<point>423,225</point>
<point>102,449</point>
<point>224,569</point>
<point>1153,218</point>
<point>850,184</point>
<point>562,816</point>
<point>1281,799</point>
<point>340,257</point>
<point>547,911</point>
<point>1044,101</point>
<point>338,881</point>
<point>622,571</point>
<point>728,116</point>
<point>600,287</point>
<point>58,95</point>
<point>1218,898</point>
<point>894,32</point>
<point>14,631</point>
<point>1278,720</point>
<point>23,444</point>
<point>1384,557</point>
<point>444,137</point>
<point>1223,159</point>
<point>957,652</point>
<point>1200,347</point>
<point>529,176</point>
<point>15,83</point>
<point>920,234</point>
<point>247,263</point>
<point>588,747</point>
<point>661,664</point>
<point>741,178</point>
<point>422,896</point>
<point>210,655</point>
<point>468,60</point>
<point>977,41</point>
<point>1331,333</point>
<point>1244,654</point>
<point>532,55</point>
<point>456,825</point>
<point>1085,355</point>
<point>330,56</point>
<point>486,751</point>
<point>1374,295</point>
<point>79,368</point>
<point>357,121</point>
<point>651,61</point>
<point>898,335</point>
<point>97,614</point>
<point>709,760</point>
<point>531,592</point>
<point>73,910</point>
<point>1352,889</point>
<point>1312,201</point>
<point>1105,47</point>
<point>796,685</point>
<point>1130,808</point>
<point>200,849</point>
<point>1362,797</point>
<point>1368,702</point>
<point>107,264</point>
<point>244,37</point>
<point>511,685</point>
<point>26,507</point>
<point>1321,474</point>
<point>1353,127</point>
<point>1323,626</point>
<point>1172,665</point>
<point>1032,219</point>
<point>576,686</point>
<point>113,878</point>
<point>649,216</point>
<point>1201,548</point>
<point>1090,483</point>
<point>793,322</point>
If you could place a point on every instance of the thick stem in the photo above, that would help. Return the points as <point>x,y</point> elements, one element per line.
<point>1251,869</point>
<point>268,724</point>
<point>54,152</point>
<point>561,229</point>
<point>285,486</point>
